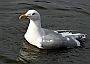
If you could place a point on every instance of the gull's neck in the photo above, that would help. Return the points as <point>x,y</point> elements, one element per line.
<point>34,27</point>
<point>34,24</point>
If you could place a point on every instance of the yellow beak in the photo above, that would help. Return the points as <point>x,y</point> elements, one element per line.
<point>23,17</point>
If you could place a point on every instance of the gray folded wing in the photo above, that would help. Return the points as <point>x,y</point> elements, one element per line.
<point>53,39</point>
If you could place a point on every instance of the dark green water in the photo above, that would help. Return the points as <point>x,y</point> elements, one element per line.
<point>55,14</point>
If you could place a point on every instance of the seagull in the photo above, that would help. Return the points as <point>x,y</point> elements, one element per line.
<point>49,39</point>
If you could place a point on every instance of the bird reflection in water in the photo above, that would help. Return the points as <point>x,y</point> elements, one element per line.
<point>30,53</point>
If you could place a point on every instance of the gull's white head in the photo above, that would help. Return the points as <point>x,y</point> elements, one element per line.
<point>30,14</point>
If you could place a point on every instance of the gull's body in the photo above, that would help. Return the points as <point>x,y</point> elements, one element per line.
<point>47,39</point>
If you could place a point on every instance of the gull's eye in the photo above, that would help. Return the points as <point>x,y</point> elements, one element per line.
<point>33,14</point>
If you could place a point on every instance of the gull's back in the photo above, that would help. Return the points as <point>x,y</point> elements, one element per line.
<point>53,39</point>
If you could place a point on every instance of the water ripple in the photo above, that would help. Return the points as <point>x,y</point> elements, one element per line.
<point>32,6</point>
